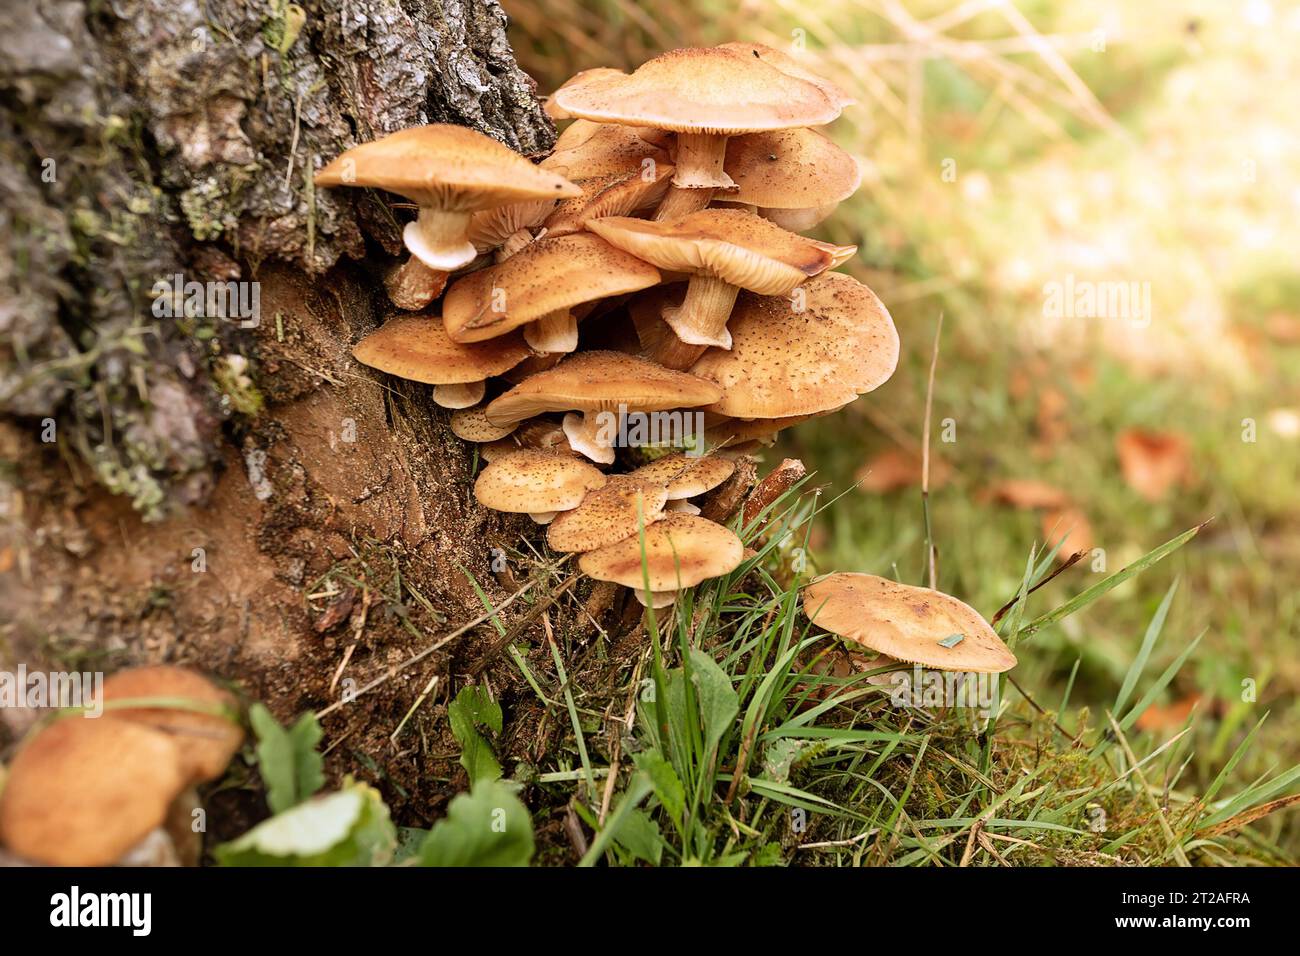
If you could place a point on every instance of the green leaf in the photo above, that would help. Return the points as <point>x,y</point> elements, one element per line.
<point>471,709</point>
<point>1144,652</point>
<point>717,699</point>
<point>667,785</point>
<point>488,826</point>
<point>640,836</point>
<point>349,827</point>
<point>287,759</point>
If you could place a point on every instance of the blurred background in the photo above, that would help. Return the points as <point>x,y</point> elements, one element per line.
<point>1103,201</point>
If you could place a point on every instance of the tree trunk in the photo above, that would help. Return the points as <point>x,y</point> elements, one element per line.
<point>239,496</point>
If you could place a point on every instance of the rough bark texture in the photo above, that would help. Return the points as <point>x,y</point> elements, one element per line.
<point>247,500</point>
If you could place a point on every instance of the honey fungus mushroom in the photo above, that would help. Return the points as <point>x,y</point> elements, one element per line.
<point>537,483</point>
<point>609,514</point>
<point>685,476</point>
<point>449,172</point>
<point>84,792</point>
<point>703,95</point>
<point>680,551</point>
<point>723,251</point>
<point>906,623</point>
<point>794,177</point>
<point>417,347</point>
<point>787,361</point>
<point>539,287</point>
<point>597,386</point>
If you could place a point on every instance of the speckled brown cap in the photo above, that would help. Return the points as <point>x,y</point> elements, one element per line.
<point>471,424</point>
<point>792,66</point>
<point>906,623</point>
<point>84,791</point>
<point>536,482</point>
<point>206,741</point>
<point>588,150</point>
<point>790,169</point>
<point>616,195</point>
<point>785,362</point>
<point>608,514</point>
<point>686,476</point>
<point>547,276</point>
<point>680,551</point>
<point>416,347</point>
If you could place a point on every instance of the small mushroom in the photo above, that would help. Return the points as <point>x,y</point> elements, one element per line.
<point>685,476</point>
<point>724,251</point>
<point>598,385</point>
<point>84,792</point>
<point>786,361</point>
<point>608,514</point>
<point>416,347</point>
<point>412,285</point>
<point>613,195</point>
<point>449,172</point>
<point>471,424</point>
<point>795,177</point>
<point>907,623</point>
<point>537,483</point>
<point>703,95</point>
<point>588,150</point>
<point>539,287</point>
<point>680,551</point>
<point>207,736</point>
<point>721,432</point>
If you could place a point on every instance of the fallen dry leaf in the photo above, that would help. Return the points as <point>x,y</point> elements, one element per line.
<point>1027,494</point>
<point>1153,462</point>
<point>894,469</point>
<point>1060,522</point>
<point>1172,717</point>
<point>1053,426</point>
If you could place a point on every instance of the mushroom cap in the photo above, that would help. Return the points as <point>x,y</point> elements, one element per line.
<point>685,476</point>
<point>206,742</point>
<point>552,109</point>
<point>446,166</point>
<point>784,362</point>
<point>680,551</point>
<point>790,169</point>
<point>699,90</point>
<point>471,424</point>
<point>587,150</point>
<point>602,381</point>
<point>906,623</point>
<point>614,195</point>
<point>730,432</point>
<point>531,482</point>
<point>793,67</point>
<point>608,514</point>
<point>417,347</point>
<point>735,246</point>
<point>84,791</point>
<point>543,277</point>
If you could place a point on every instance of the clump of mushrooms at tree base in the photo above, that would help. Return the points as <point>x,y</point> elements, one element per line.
<point>650,268</point>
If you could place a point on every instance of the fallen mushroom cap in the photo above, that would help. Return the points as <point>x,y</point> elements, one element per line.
<point>790,169</point>
<point>906,623</point>
<point>205,739</point>
<point>535,482</point>
<point>547,276</point>
<point>608,514</point>
<point>84,791</point>
<point>417,347</point>
<point>680,551</point>
<point>449,172</point>
<point>601,381</point>
<point>686,476</point>
<point>706,90</point>
<point>785,362</point>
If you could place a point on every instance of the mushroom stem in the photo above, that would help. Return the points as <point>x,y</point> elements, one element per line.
<point>554,332</point>
<point>438,238</point>
<point>684,506</point>
<point>590,435</point>
<point>671,352</point>
<point>412,285</point>
<point>701,319</point>
<point>658,599</point>
<point>543,517</point>
<point>459,395</point>
<point>681,202</point>
<point>699,162</point>
<point>514,242</point>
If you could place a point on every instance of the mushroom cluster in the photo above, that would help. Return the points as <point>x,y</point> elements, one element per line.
<point>648,270</point>
<point>120,788</point>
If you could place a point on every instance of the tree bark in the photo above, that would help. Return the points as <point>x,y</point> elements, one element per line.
<point>248,500</point>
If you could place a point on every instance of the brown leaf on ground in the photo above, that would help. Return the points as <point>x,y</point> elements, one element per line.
<point>894,469</point>
<point>1158,719</point>
<point>1027,494</point>
<point>1053,426</point>
<point>1153,462</point>
<point>1060,522</point>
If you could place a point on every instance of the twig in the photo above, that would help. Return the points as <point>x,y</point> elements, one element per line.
<point>1069,563</point>
<point>925,456</point>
